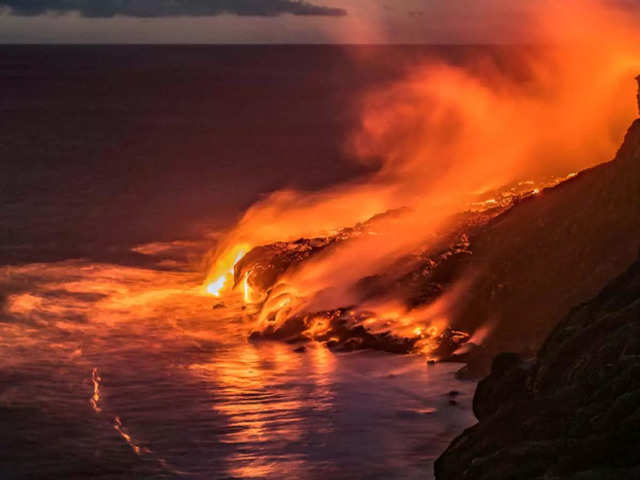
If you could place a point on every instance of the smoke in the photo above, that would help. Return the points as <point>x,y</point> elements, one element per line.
<point>448,132</point>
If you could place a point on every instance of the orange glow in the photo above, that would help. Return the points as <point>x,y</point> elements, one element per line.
<point>246,288</point>
<point>76,310</point>
<point>117,295</point>
<point>214,288</point>
<point>248,376</point>
<point>223,271</point>
<point>317,327</point>
<point>95,398</point>
<point>118,427</point>
<point>249,294</point>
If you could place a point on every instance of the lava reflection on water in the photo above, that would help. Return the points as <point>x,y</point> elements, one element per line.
<point>161,376</point>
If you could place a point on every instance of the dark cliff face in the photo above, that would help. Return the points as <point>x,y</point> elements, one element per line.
<point>574,413</point>
<point>542,257</point>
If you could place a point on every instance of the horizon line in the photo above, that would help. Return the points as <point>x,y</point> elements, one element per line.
<point>266,44</point>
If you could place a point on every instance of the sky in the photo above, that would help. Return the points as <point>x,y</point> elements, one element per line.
<point>262,21</point>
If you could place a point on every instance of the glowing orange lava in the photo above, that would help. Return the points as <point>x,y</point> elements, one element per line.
<point>223,270</point>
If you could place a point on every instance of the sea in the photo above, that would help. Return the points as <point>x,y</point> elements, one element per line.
<point>121,168</point>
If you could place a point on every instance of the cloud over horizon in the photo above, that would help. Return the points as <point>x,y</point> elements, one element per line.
<point>169,8</point>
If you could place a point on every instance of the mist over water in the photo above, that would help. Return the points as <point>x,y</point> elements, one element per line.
<point>120,371</point>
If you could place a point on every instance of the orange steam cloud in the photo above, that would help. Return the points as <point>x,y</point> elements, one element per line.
<point>448,132</point>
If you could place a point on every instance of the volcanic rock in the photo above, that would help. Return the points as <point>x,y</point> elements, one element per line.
<point>553,251</point>
<point>265,264</point>
<point>340,332</point>
<point>574,413</point>
<point>506,383</point>
<point>415,279</point>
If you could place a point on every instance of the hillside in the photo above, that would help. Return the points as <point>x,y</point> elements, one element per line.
<point>574,413</point>
<point>549,253</point>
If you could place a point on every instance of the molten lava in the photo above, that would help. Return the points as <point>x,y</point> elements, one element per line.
<point>224,269</point>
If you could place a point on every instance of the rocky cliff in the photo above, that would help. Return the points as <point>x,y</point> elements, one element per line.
<point>574,412</point>
<point>542,257</point>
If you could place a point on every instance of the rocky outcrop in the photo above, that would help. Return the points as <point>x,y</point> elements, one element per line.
<point>574,413</point>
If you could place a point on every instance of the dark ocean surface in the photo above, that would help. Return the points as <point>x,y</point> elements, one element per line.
<point>177,137</point>
<point>119,165</point>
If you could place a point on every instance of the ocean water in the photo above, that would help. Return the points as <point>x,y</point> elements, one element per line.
<point>120,165</point>
<point>111,371</point>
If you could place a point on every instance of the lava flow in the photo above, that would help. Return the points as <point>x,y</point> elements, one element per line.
<point>223,272</point>
<point>380,262</point>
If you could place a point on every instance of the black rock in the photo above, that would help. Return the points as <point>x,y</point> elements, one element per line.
<point>553,251</point>
<point>574,413</point>
<point>507,382</point>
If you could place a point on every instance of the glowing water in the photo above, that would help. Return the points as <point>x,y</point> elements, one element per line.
<point>130,371</point>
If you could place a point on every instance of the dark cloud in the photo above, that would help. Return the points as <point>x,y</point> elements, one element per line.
<point>169,8</point>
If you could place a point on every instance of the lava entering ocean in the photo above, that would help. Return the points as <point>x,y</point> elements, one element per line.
<point>381,262</point>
